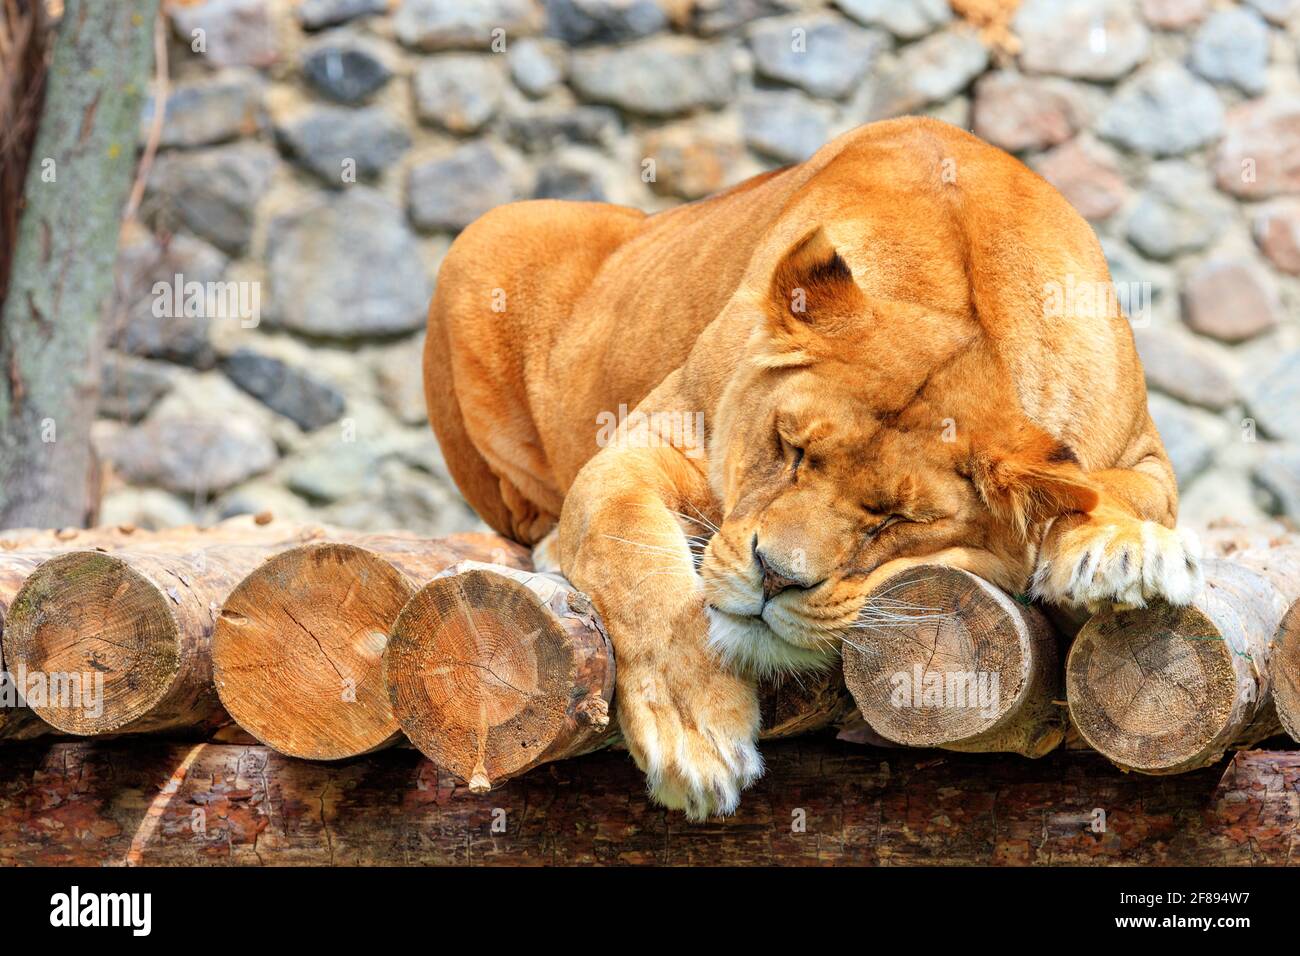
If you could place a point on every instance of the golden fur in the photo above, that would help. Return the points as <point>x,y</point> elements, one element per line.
<point>866,340</point>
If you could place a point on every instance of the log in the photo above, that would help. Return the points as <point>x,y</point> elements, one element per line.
<point>298,645</point>
<point>821,802</point>
<point>1284,671</point>
<point>494,671</point>
<point>1163,689</point>
<point>118,642</point>
<point>942,658</point>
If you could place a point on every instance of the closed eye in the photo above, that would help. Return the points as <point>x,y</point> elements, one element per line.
<point>881,526</point>
<point>791,453</point>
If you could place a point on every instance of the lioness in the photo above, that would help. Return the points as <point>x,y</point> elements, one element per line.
<point>884,378</point>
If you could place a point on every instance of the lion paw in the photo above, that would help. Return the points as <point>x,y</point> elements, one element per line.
<point>1127,563</point>
<point>698,750</point>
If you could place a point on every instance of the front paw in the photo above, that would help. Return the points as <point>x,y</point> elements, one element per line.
<point>694,736</point>
<point>1126,562</point>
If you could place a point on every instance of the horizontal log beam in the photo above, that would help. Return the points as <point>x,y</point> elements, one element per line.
<point>820,802</point>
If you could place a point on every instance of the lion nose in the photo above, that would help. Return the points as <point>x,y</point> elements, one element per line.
<point>774,582</point>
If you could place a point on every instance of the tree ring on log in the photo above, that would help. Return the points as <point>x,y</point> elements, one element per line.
<point>102,638</point>
<point>952,662</point>
<point>1285,668</point>
<point>1152,688</point>
<point>487,681</point>
<point>298,647</point>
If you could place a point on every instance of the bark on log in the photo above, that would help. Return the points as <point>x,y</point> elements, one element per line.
<point>821,802</point>
<point>493,671</point>
<point>298,645</point>
<point>1169,689</point>
<point>944,659</point>
<point>62,273</point>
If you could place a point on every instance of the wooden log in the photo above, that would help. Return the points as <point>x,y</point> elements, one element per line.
<point>1165,689</point>
<point>1284,671</point>
<point>298,645</point>
<point>942,658</point>
<point>17,721</point>
<point>821,802</point>
<point>119,642</point>
<point>493,671</point>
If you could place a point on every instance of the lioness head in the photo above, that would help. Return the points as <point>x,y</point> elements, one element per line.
<point>859,436</point>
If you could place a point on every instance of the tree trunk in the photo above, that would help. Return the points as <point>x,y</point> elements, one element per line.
<point>298,645</point>
<point>821,802</point>
<point>1169,689</point>
<point>942,658</point>
<point>62,276</point>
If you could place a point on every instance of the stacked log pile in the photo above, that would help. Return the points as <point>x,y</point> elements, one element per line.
<point>325,645</point>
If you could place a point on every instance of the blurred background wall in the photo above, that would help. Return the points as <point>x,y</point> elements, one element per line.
<point>324,153</point>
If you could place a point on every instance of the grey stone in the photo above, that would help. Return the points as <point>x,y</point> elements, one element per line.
<point>1279,12</point>
<point>568,182</point>
<point>399,379</point>
<point>603,21</point>
<point>542,132</point>
<point>905,19</point>
<point>453,190</point>
<point>315,14</point>
<point>716,17</point>
<point>822,53</point>
<point>1232,47</point>
<point>235,32</point>
<point>336,141</point>
<point>293,393</point>
<point>1018,112</point>
<point>928,71</point>
<point>347,70</point>
<point>784,124</point>
<point>347,267</point>
<point>191,455</point>
<point>129,386</point>
<point>203,112</point>
<point>1178,211</point>
<point>691,159</point>
<point>1190,436</point>
<point>1278,475</point>
<point>661,76</point>
<point>464,24</point>
<point>1184,368</point>
<point>1259,155</point>
<point>1231,300</point>
<point>212,192</point>
<point>146,327</point>
<point>1163,111</point>
<point>1273,398</point>
<point>1127,270</point>
<point>458,91</point>
<point>145,508</point>
<point>537,66</point>
<point>1085,39</point>
<point>1173,14</point>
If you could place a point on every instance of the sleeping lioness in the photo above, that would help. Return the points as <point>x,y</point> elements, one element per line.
<point>819,377</point>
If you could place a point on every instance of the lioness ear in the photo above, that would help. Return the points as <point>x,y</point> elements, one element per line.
<point>1031,478</point>
<point>812,285</point>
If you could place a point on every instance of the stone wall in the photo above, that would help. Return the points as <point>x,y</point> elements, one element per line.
<point>321,154</point>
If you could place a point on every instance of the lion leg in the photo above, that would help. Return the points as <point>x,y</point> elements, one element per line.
<point>1127,550</point>
<point>690,724</point>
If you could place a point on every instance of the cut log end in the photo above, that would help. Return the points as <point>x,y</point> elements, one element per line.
<point>298,646</point>
<point>492,671</point>
<point>1285,670</point>
<point>942,658</point>
<point>94,643</point>
<point>1153,689</point>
